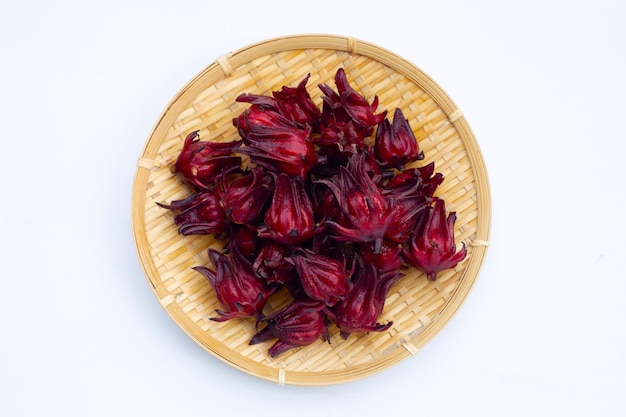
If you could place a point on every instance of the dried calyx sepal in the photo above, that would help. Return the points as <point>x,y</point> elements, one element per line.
<point>324,207</point>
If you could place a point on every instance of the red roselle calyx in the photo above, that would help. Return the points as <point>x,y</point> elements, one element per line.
<point>347,116</point>
<point>409,195</point>
<point>365,213</point>
<point>420,181</point>
<point>296,104</point>
<point>281,148</point>
<point>289,219</point>
<point>239,291</point>
<point>198,214</point>
<point>404,212</point>
<point>244,198</point>
<point>396,144</point>
<point>200,163</point>
<point>322,278</point>
<point>359,109</point>
<point>432,248</point>
<point>271,264</point>
<point>292,104</point>
<point>298,324</point>
<point>360,310</point>
<point>262,112</point>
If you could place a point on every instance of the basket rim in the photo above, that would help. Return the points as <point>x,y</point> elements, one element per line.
<point>222,67</point>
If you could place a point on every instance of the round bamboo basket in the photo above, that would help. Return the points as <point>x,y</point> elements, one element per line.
<point>419,308</point>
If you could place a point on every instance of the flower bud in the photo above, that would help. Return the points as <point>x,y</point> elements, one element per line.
<point>200,163</point>
<point>357,106</point>
<point>237,288</point>
<point>432,248</point>
<point>420,181</point>
<point>199,214</point>
<point>244,198</point>
<point>396,144</point>
<point>360,310</point>
<point>281,149</point>
<point>263,111</point>
<point>300,323</point>
<point>404,213</point>
<point>347,117</point>
<point>297,105</point>
<point>271,263</point>
<point>365,214</point>
<point>322,278</point>
<point>289,219</point>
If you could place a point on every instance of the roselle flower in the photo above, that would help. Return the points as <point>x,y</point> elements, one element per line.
<point>346,103</point>
<point>300,323</point>
<point>271,264</point>
<point>420,181</point>
<point>296,104</point>
<point>239,291</point>
<point>200,163</point>
<point>432,248</point>
<point>281,149</point>
<point>405,211</point>
<point>355,104</point>
<point>395,144</point>
<point>346,114</point>
<point>289,220</point>
<point>410,194</point>
<point>360,310</point>
<point>388,258</point>
<point>244,198</point>
<point>333,111</point>
<point>289,103</point>
<point>322,278</point>
<point>365,214</point>
<point>198,214</point>
<point>263,111</point>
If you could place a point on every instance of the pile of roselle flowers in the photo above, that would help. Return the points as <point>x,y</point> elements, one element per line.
<point>318,202</point>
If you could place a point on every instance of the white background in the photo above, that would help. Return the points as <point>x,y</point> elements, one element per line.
<point>542,83</point>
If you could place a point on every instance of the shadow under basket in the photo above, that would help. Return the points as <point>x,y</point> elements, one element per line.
<point>419,308</point>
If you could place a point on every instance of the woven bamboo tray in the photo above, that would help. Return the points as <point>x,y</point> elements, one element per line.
<point>419,308</point>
